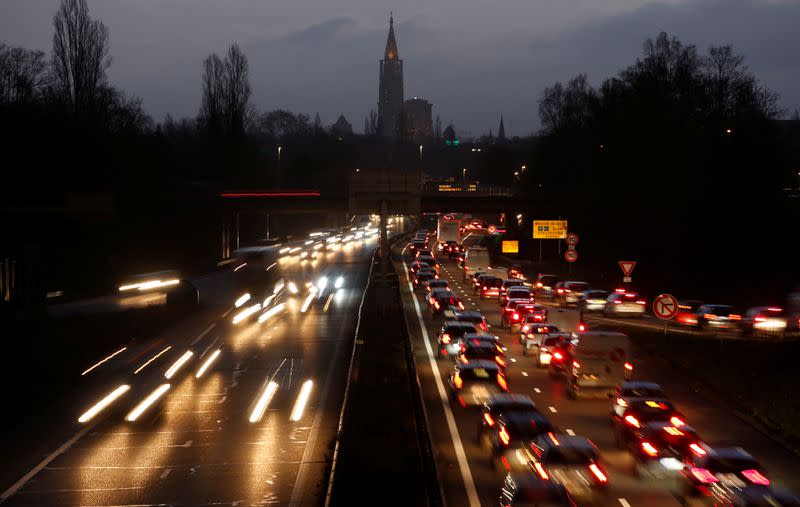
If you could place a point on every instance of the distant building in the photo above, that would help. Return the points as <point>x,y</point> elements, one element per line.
<point>390,89</point>
<point>419,118</point>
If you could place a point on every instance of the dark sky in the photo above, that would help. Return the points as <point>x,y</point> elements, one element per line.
<point>473,59</point>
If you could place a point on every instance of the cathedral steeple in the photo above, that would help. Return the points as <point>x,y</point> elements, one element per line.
<point>391,43</point>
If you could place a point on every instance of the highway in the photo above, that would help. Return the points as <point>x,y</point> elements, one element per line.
<point>464,468</point>
<point>249,413</point>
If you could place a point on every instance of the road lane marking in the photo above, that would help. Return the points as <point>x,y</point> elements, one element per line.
<point>200,337</point>
<point>570,432</point>
<point>537,390</point>
<point>553,409</point>
<point>165,473</point>
<point>624,502</point>
<point>38,468</point>
<point>463,464</point>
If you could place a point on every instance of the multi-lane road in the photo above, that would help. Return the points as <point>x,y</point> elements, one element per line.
<point>200,442</point>
<point>465,472</point>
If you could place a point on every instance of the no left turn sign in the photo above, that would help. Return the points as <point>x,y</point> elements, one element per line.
<point>665,306</point>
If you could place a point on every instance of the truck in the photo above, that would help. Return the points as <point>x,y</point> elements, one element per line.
<point>601,361</point>
<point>447,230</point>
<point>476,258</point>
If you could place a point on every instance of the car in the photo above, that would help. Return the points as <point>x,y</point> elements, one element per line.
<point>430,261</point>
<point>640,412</point>
<point>507,313</point>
<point>634,390</point>
<point>473,316</point>
<point>445,301</point>
<point>449,335</point>
<point>571,460</point>
<point>594,300</point>
<point>522,488</point>
<point>545,285</point>
<point>764,320</point>
<point>659,449</point>
<point>511,282</point>
<point>570,293</point>
<point>436,284</point>
<point>624,303</point>
<point>499,404</point>
<point>472,350</point>
<point>490,286</point>
<point>416,266</point>
<point>714,476</point>
<point>515,272</point>
<point>472,384</point>
<point>687,312</point>
<point>511,431</point>
<point>548,346</point>
<point>521,312</point>
<point>422,276</point>
<point>517,293</point>
<point>718,318</point>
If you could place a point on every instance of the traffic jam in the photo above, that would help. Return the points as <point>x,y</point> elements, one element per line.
<point>546,409</point>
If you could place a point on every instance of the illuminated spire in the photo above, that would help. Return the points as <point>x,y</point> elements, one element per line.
<point>391,43</point>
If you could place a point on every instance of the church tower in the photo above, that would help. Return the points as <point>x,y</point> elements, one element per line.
<point>390,89</point>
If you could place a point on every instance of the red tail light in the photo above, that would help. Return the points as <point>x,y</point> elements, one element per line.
<point>540,471</point>
<point>601,477</point>
<point>703,475</point>
<point>632,421</point>
<point>755,477</point>
<point>504,436</point>
<point>648,448</point>
<point>445,338</point>
<point>457,381</point>
<point>489,420</point>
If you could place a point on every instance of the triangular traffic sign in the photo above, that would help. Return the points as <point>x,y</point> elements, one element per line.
<point>627,267</point>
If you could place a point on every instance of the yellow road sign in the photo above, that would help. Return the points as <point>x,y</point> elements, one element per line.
<point>549,229</point>
<point>510,246</point>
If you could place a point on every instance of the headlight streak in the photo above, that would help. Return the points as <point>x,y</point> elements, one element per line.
<point>105,402</point>
<point>178,364</point>
<point>271,312</point>
<point>266,395</point>
<point>144,365</point>
<point>242,315</point>
<point>302,399</point>
<point>213,357</point>
<point>244,298</point>
<point>123,349</point>
<point>147,402</point>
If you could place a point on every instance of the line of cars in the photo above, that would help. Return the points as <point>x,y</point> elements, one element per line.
<point>623,302</point>
<point>545,466</point>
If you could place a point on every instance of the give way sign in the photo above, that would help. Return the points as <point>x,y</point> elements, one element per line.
<point>665,306</point>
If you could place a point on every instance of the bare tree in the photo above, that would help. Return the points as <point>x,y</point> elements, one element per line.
<point>23,74</point>
<point>80,55</point>
<point>237,89</point>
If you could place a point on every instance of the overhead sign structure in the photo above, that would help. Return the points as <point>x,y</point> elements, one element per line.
<point>665,306</point>
<point>510,246</point>
<point>549,229</point>
<point>571,255</point>
<point>572,239</point>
